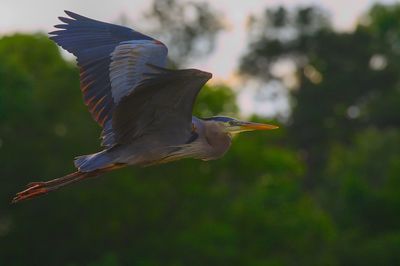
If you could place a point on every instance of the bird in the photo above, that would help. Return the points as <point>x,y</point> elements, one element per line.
<point>144,108</point>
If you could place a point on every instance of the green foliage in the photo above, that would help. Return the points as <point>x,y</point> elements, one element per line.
<point>345,121</point>
<point>214,100</point>
<point>188,28</point>
<point>345,81</point>
<point>361,189</point>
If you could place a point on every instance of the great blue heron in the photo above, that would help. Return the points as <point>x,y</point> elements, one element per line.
<point>145,109</point>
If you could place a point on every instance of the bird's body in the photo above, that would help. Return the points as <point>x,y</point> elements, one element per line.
<point>206,142</point>
<point>145,109</point>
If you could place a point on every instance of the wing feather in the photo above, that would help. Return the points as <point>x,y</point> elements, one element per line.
<point>160,106</point>
<point>105,79</point>
<point>128,63</point>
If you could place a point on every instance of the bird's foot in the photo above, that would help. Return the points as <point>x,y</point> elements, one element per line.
<point>31,192</point>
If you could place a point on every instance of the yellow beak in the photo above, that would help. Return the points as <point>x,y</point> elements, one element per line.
<point>241,126</point>
<point>257,126</point>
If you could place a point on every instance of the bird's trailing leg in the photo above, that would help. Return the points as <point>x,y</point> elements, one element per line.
<point>36,189</point>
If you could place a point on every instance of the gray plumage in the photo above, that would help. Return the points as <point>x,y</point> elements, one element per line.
<point>145,109</point>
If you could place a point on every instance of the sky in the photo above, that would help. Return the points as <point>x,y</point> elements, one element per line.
<point>41,15</point>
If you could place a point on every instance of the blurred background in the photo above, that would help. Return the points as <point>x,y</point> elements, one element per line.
<point>321,190</point>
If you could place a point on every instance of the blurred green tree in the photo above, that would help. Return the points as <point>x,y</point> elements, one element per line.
<point>344,81</point>
<point>345,119</point>
<point>361,189</point>
<point>188,28</point>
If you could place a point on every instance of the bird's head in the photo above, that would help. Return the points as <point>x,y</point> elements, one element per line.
<point>234,126</point>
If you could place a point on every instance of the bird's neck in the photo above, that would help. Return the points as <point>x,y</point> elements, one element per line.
<point>217,138</point>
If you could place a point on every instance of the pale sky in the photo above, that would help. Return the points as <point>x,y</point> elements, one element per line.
<point>41,15</point>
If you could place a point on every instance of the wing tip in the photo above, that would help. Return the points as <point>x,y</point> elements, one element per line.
<point>207,75</point>
<point>76,16</point>
<point>69,13</point>
<point>71,17</point>
<point>66,20</point>
<point>201,74</point>
<point>72,14</point>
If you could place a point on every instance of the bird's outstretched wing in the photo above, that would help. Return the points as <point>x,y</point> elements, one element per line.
<point>160,106</point>
<point>111,60</point>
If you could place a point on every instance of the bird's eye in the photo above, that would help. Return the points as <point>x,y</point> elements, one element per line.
<point>231,123</point>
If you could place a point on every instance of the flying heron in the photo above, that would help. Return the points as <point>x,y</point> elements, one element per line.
<point>145,110</point>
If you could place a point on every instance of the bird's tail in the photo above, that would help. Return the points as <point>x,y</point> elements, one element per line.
<point>91,162</point>
<point>36,189</point>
